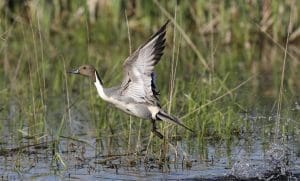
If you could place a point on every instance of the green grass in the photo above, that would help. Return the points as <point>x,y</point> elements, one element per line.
<point>231,36</point>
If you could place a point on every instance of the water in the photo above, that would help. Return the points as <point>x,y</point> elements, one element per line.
<point>253,154</point>
<point>78,161</point>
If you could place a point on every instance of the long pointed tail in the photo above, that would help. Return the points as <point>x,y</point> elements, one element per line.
<point>166,117</point>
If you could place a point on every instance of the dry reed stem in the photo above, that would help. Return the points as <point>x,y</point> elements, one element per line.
<point>184,35</point>
<point>281,83</point>
<point>275,42</point>
<point>67,91</point>
<point>172,74</point>
<point>130,118</point>
<point>128,33</point>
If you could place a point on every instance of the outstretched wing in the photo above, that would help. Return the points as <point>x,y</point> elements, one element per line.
<point>139,77</point>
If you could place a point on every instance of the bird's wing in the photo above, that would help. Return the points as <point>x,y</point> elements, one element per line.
<point>139,77</point>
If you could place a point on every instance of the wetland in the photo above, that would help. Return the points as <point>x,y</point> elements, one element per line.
<point>230,71</point>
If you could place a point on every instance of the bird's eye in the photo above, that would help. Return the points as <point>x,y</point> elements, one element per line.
<point>84,67</point>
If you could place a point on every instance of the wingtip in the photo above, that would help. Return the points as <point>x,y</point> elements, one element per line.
<point>167,22</point>
<point>165,25</point>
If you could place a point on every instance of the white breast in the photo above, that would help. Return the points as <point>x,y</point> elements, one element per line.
<point>121,105</point>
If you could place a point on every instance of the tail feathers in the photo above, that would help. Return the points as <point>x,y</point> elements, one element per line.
<point>164,116</point>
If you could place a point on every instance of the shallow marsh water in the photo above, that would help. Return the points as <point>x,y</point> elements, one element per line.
<point>88,156</point>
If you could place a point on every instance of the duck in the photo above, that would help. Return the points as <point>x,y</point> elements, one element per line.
<point>137,95</point>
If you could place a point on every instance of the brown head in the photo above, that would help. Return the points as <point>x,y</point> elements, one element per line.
<point>85,70</point>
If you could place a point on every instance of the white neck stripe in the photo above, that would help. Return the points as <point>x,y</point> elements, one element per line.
<point>99,87</point>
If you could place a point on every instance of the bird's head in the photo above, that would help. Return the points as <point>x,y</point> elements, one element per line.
<point>85,70</point>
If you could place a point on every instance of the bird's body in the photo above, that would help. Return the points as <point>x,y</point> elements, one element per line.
<point>137,94</point>
<point>125,103</point>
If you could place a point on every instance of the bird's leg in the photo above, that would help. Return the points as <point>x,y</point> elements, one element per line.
<point>154,130</point>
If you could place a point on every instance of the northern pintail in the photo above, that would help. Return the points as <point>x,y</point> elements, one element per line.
<point>137,95</point>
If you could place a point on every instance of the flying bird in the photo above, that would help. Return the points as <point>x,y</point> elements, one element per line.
<point>137,95</point>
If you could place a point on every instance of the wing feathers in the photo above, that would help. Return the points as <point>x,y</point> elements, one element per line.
<point>139,77</point>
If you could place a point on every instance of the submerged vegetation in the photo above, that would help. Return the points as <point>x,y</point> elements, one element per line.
<point>225,63</point>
